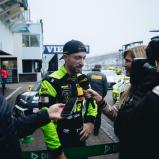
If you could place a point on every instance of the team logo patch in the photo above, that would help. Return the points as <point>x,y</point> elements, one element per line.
<point>66,92</point>
<point>96,77</point>
<point>44,90</point>
<point>83,80</point>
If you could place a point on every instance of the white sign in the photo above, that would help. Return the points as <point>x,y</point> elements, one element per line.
<point>57,49</point>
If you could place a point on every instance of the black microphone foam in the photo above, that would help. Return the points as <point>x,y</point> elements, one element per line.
<point>83,81</point>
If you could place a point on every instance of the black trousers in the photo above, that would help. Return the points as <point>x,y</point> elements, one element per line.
<point>97,123</point>
<point>71,139</point>
<point>4,81</point>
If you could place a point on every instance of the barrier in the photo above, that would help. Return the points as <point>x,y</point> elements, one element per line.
<point>72,153</point>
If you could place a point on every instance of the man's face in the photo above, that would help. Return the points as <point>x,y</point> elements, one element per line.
<point>128,61</point>
<point>75,62</point>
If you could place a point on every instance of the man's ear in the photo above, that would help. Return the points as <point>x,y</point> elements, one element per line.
<point>65,57</point>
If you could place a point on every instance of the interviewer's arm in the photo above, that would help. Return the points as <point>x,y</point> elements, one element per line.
<point>28,124</point>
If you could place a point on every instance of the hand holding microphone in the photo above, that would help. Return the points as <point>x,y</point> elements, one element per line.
<point>83,81</point>
<point>90,93</point>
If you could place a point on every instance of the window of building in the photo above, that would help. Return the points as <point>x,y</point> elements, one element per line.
<point>30,40</point>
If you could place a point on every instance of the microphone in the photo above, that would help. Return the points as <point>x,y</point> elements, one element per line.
<point>83,81</point>
<point>77,93</point>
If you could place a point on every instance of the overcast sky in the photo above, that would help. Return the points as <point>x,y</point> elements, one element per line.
<point>104,25</point>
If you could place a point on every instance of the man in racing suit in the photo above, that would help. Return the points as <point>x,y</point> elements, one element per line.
<point>60,86</point>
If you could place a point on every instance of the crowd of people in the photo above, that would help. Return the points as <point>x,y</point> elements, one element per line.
<point>135,114</point>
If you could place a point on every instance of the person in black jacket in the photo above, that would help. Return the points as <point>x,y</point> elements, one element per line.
<point>98,82</point>
<point>11,129</point>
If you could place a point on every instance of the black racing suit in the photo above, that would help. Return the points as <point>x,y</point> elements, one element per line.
<point>58,88</point>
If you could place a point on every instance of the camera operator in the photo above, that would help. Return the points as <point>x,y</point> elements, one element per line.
<point>136,122</point>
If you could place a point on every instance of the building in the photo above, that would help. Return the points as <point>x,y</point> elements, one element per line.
<point>29,52</point>
<point>21,41</point>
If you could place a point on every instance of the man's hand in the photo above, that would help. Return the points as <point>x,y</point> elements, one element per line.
<point>87,131</point>
<point>55,111</point>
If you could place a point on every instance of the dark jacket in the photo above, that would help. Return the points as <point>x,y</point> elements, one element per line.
<point>11,129</point>
<point>98,82</point>
<point>136,125</point>
<point>137,121</point>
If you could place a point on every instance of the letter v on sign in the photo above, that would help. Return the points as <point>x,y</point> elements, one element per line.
<point>34,156</point>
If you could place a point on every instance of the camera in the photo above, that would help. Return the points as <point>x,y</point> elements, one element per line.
<point>141,68</point>
<point>153,49</point>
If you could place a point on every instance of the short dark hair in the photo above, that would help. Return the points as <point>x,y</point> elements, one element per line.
<point>97,67</point>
